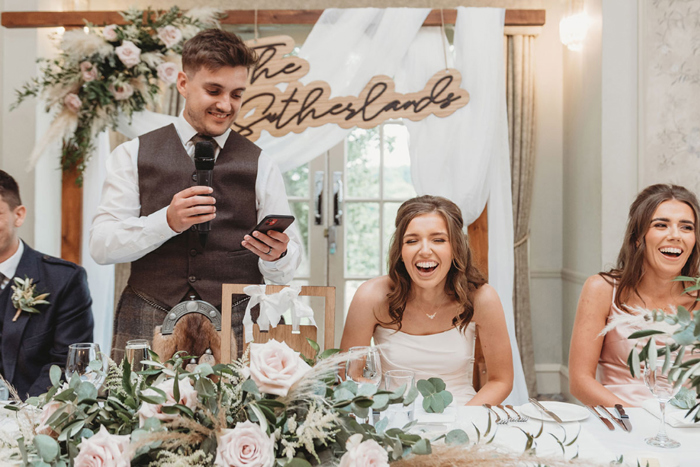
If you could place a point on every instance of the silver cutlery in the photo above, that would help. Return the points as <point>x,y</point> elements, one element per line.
<point>499,420</point>
<point>605,421</point>
<point>612,417</point>
<point>521,418</point>
<point>623,416</point>
<point>544,410</point>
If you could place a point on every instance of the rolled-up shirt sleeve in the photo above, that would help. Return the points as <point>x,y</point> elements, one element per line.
<point>119,234</point>
<point>272,199</point>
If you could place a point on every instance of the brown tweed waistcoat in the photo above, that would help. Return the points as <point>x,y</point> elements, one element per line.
<point>164,169</point>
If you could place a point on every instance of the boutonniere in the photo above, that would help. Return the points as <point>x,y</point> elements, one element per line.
<point>24,297</point>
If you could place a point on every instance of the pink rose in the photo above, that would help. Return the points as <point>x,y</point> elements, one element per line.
<point>104,450</point>
<point>275,367</point>
<point>170,35</point>
<point>121,91</point>
<point>167,72</point>
<point>88,71</point>
<point>364,453</point>
<point>72,101</point>
<point>188,397</point>
<point>110,32</point>
<point>247,445</point>
<point>129,54</point>
<point>47,411</point>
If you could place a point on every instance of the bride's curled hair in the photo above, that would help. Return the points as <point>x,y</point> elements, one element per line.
<point>463,278</point>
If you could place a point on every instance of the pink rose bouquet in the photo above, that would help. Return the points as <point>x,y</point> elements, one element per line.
<point>170,35</point>
<point>110,33</point>
<point>72,102</point>
<point>88,71</point>
<point>167,72</point>
<point>188,398</point>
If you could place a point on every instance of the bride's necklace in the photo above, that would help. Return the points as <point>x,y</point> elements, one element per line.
<point>434,311</point>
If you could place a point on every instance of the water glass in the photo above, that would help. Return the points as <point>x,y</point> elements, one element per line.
<point>663,390</point>
<point>86,361</point>
<point>399,414</point>
<point>364,367</point>
<point>135,352</point>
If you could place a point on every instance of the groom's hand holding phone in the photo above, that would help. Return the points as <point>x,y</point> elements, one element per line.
<point>267,239</point>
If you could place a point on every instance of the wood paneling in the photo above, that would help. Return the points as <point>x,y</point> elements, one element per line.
<point>45,19</point>
<point>71,217</point>
<point>479,243</point>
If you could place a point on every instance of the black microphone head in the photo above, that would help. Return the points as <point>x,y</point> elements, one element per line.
<point>204,155</point>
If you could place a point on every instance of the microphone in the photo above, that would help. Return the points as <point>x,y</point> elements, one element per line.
<point>204,163</point>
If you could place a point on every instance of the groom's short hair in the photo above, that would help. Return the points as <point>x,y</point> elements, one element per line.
<point>214,49</point>
<point>9,190</point>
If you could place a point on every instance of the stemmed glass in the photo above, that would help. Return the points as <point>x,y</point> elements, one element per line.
<point>364,367</point>
<point>663,390</point>
<point>86,361</point>
<point>135,352</point>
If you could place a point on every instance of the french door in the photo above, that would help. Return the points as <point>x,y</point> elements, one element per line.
<point>345,202</point>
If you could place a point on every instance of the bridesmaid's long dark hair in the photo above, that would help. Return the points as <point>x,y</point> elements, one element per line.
<point>463,278</point>
<point>630,262</point>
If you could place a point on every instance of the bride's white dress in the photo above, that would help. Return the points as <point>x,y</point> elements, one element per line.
<point>448,355</point>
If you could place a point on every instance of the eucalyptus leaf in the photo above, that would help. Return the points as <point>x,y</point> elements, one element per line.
<point>438,384</point>
<point>55,375</point>
<point>644,333</point>
<point>422,447</point>
<point>297,462</point>
<point>314,345</point>
<point>410,396</point>
<point>685,399</point>
<point>380,401</point>
<point>685,336</point>
<point>46,447</point>
<point>381,425</point>
<point>86,391</point>
<point>652,354</point>
<point>636,366</point>
<point>250,386</point>
<point>683,315</point>
<point>456,437</point>
<point>367,390</point>
<point>425,387</point>
<point>342,394</point>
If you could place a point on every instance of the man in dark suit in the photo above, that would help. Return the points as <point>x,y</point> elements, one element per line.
<point>30,343</point>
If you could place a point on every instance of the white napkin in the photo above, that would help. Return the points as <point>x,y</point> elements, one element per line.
<point>675,417</point>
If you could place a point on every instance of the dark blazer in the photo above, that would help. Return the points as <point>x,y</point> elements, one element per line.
<point>34,342</point>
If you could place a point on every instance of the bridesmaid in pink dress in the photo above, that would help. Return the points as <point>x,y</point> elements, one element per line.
<point>424,313</point>
<point>660,244</point>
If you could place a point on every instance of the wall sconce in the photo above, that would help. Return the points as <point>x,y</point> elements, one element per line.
<point>573,28</point>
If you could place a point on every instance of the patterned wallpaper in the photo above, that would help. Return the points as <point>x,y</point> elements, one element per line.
<point>671,91</point>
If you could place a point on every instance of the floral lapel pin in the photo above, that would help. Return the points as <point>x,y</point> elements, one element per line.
<point>24,297</point>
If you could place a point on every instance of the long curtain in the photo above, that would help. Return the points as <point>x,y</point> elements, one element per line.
<point>466,157</point>
<point>520,94</point>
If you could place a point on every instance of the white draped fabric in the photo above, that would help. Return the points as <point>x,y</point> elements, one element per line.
<point>463,157</point>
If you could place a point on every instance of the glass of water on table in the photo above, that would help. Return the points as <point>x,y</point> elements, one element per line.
<point>86,361</point>
<point>364,367</point>
<point>399,414</point>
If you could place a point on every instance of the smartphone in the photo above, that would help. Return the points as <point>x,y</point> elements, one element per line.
<point>276,222</point>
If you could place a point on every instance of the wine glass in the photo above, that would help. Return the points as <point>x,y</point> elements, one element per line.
<point>663,390</point>
<point>86,361</point>
<point>364,367</point>
<point>135,352</point>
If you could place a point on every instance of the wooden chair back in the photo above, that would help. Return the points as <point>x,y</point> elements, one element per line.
<point>283,332</point>
<point>479,243</point>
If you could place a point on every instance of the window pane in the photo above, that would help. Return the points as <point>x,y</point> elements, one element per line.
<point>397,163</point>
<point>300,210</point>
<point>362,169</point>
<point>362,239</point>
<point>296,181</point>
<point>389,218</point>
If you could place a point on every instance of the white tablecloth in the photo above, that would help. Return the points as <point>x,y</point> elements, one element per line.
<point>595,441</point>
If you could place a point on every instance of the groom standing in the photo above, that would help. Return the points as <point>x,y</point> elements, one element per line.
<point>31,342</point>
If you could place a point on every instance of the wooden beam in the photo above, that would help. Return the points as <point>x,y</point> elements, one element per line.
<point>71,217</point>
<point>51,19</point>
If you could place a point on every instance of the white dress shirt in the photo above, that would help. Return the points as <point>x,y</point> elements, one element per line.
<point>8,268</point>
<point>119,235</point>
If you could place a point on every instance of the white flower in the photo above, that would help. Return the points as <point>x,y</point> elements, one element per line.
<point>364,453</point>
<point>104,450</point>
<point>189,31</point>
<point>72,102</point>
<point>170,35</point>
<point>121,91</point>
<point>167,72</point>
<point>129,54</point>
<point>246,445</point>
<point>152,59</point>
<point>208,16</point>
<point>110,33</point>
<point>88,71</point>
<point>275,367</point>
